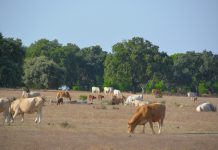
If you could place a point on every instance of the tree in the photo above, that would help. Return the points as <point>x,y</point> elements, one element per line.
<point>11,60</point>
<point>92,66</point>
<point>135,62</point>
<point>40,72</point>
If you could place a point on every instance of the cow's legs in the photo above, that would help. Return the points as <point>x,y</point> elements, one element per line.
<point>22,117</point>
<point>38,116</point>
<point>143,128</point>
<point>151,125</point>
<point>15,114</point>
<point>159,126</point>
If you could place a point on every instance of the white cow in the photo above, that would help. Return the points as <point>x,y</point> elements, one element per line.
<point>95,89</point>
<point>108,90</point>
<point>29,106</point>
<point>139,103</point>
<point>206,107</point>
<point>131,99</point>
<point>4,107</point>
<point>117,92</point>
<point>30,94</point>
<point>192,95</point>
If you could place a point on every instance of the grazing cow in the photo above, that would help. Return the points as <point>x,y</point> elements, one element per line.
<point>193,96</point>
<point>131,99</point>
<point>91,98</point>
<point>30,94</point>
<point>148,113</point>
<point>63,94</point>
<point>100,97</point>
<point>117,92</point>
<point>116,100</point>
<point>29,106</point>
<point>108,90</point>
<point>95,89</point>
<point>206,107</point>
<point>60,101</point>
<point>4,107</point>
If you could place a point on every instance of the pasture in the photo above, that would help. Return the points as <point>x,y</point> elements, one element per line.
<point>74,126</point>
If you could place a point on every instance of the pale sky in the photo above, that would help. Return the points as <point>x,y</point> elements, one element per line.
<point>174,25</point>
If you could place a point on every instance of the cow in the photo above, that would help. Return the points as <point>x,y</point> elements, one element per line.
<point>91,98</point>
<point>154,112</point>
<point>131,99</point>
<point>29,94</point>
<point>117,92</point>
<point>116,100</point>
<point>65,94</point>
<point>139,103</point>
<point>193,96</point>
<point>108,90</point>
<point>100,97</point>
<point>60,101</point>
<point>206,107</point>
<point>29,106</point>
<point>95,89</point>
<point>4,107</point>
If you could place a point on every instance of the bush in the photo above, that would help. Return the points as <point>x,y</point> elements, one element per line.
<point>83,97</point>
<point>75,88</point>
<point>202,89</point>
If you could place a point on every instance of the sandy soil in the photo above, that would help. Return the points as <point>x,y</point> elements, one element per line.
<point>94,127</point>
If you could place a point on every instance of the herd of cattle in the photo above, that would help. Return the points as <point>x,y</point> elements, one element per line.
<point>31,102</point>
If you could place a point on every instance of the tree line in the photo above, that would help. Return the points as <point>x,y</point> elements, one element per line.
<point>133,64</point>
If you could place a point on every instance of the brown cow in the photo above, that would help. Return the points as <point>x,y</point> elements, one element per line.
<point>63,94</point>
<point>91,97</point>
<point>100,97</point>
<point>116,100</point>
<point>148,113</point>
<point>60,101</point>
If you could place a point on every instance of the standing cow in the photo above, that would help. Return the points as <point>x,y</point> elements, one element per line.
<point>29,106</point>
<point>4,107</point>
<point>95,89</point>
<point>147,113</point>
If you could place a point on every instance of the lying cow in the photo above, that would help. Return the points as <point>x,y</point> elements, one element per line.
<point>117,100</point>
<point>4,107</point>
<point>206,107</point>
<point>131,99</point>
<point>63,94</point>
<point>148,113</point>
<point>30,94</point>
<point>29,106</point>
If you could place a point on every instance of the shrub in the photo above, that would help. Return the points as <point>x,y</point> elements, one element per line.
<point>83,97</point>
<point>75,88</point>
<point>202,89</point>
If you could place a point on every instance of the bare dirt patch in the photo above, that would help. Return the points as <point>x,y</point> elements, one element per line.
<point>104,127</point>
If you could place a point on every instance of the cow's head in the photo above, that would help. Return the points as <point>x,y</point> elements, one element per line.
<point>131,127</point>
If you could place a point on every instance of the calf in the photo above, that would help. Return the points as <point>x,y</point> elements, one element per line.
<point>100,97</point>
<point>147,113</point>
<point>91,98</point>
<point>60,101</point>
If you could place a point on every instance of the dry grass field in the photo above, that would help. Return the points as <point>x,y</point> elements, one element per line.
<point>74,126</point>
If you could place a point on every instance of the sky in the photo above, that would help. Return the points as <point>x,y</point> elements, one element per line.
<point>176,26</point>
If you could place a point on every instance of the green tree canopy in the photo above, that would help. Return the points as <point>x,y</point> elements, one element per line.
<point>40,72</point>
